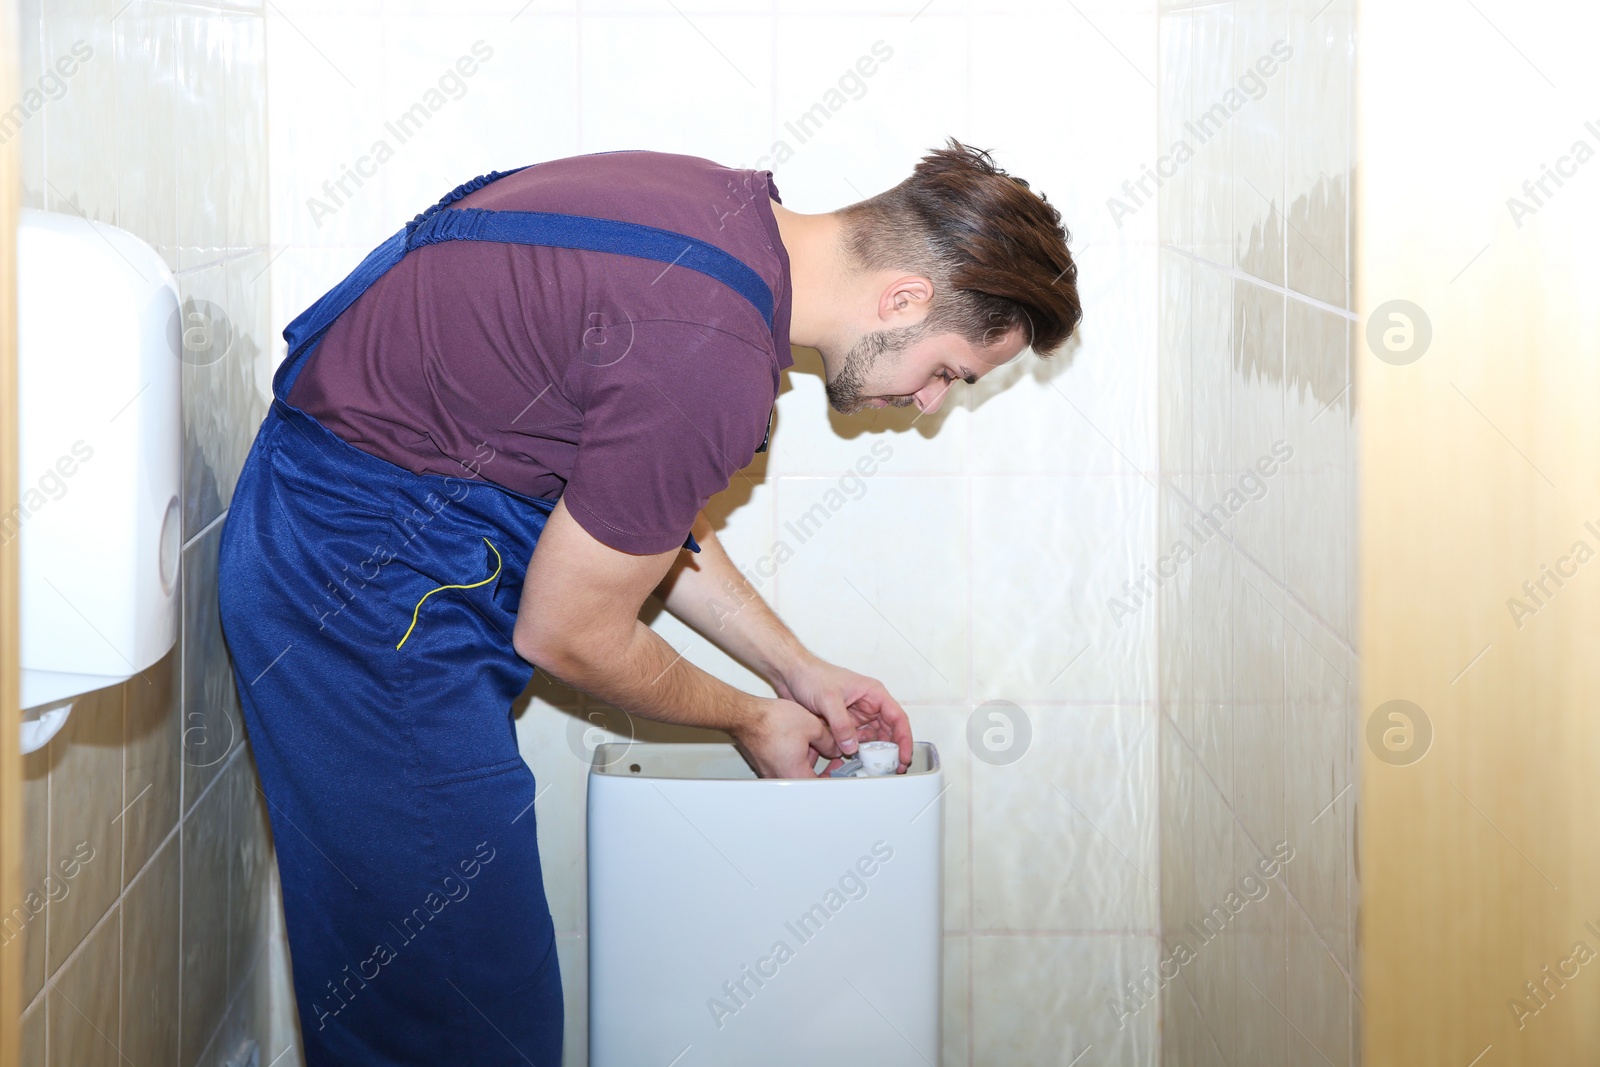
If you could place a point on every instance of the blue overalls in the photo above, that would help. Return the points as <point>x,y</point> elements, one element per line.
<point>369,613</point>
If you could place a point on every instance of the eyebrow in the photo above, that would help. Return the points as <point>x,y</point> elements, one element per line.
<point>967,376</point>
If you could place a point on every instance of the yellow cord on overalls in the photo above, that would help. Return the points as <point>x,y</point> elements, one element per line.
<point>474,585</point>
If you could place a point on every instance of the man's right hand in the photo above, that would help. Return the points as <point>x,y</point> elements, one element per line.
<point>784,740</point>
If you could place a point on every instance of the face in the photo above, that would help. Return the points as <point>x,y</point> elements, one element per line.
<point>904,366</point>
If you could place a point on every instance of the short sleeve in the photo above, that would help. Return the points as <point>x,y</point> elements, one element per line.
<point>671,411</point>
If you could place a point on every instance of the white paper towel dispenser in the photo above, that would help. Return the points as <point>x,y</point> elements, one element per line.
<point>99,514</point>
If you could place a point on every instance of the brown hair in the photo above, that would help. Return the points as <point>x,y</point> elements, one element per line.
<point>995,250</point>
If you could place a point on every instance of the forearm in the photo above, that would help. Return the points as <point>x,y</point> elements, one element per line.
<point>709,594</point>
<point>643,675</point>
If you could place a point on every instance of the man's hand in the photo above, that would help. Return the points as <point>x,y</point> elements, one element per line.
<point>784,741</point>
<point>856,708</point>
<point>709,594</point>
<point>579,620</point>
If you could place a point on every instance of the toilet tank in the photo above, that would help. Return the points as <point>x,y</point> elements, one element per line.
<point>774,921</point>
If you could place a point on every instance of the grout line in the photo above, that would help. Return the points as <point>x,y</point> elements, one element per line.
<point>205,529</point>
<point>228,255</point>
<point>1239,275</point>
<point>183,777</point>
<point>122,862</point>
<point>233,1002</point>
<point>1183,980</point>
<point>1355,986</point>
<point>1240,827</point>
<point>1159,786</point>
<point>122,893</point>
<point>970,757</point>
<point>1288,593</point>
<point>1282,540</point>
<point>1062,932</point>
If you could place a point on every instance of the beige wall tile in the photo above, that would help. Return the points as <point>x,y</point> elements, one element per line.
<point>857,596</point>
<point>213,725</point>
<point>1318,149</point>
<point>24,925</point>
<point>249,860</point>
<point>199,116</point>
<point>1261,990</point>
<point>1318,794</point>
<point>204,975</point>
<point>226,379</point>
<point>1259,137</point>
<point>1214,67</point>
<point>1317,521</point>
<point>1256,428</point>
<point>283,1045</point>
<point>1258,727</point>
<point>1211,369</point>
<point>573,952</point>
<point>81,177</point>
<point>1178,854</point>
<point>1175,340</point>
<point>149,1028</point>
<point>147,200</point>
<point>1079,583</point>
<point>1046,999</point>
<point>84,1000</point>
<point>1064,838</point>
<point>243,131</point>
<point>250,1017</point>
<point>1318,997</point>
<point>152,763</point>
<point>957,1022</point>
<point>33,1036</point>
<point>85,801</point>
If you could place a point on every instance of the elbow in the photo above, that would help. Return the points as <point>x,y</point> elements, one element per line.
<point>566,656</point>
<point>577,646</point>
<point>542,648</point>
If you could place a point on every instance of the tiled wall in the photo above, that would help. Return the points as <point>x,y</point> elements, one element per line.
<point>165,945</point>
<point>978,563</point>
<point>1257,655</point>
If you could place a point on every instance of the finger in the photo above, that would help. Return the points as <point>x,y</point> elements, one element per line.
<point>822,739</point>
<point>891,719</point>
<point>899,724</point>
<point>841,724</point>
<point>821,744</point>
<point>831,764</point>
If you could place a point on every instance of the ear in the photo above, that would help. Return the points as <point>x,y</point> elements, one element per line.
<point>905,300</point>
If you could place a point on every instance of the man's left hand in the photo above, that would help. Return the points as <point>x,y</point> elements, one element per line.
<point>855,707</point>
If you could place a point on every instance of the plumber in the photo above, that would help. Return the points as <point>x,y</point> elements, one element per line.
<point>489,445</point>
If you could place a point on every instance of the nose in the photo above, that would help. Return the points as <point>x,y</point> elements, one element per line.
<point>929,397</point>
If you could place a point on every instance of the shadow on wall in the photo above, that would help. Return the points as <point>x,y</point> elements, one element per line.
<point>1316,251</point>
<point>891,420</point>
<point>907,419</point>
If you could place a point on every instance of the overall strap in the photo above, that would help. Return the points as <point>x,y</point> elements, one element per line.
<point>548,228</point>
<point>314,321</point>
<point>557,230</point>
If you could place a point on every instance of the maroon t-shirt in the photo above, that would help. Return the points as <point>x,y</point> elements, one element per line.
<point>633,389</point>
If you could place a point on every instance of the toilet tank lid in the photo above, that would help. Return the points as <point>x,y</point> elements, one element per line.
<point>719,762</point>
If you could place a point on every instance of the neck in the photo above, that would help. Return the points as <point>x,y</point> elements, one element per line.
<point>817,272</point>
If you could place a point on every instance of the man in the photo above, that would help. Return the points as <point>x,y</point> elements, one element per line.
<point>489,446</point>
